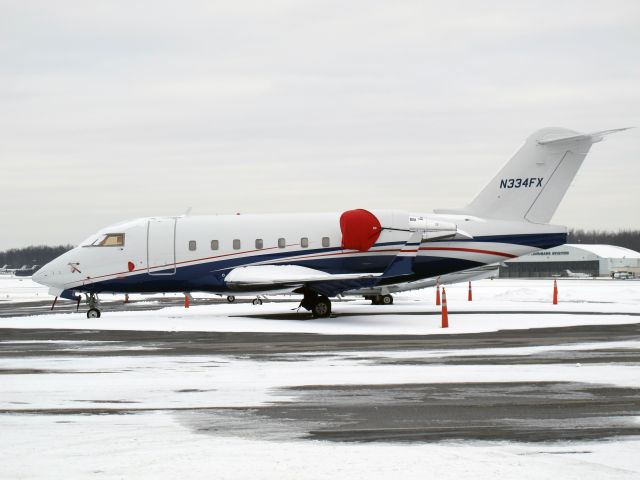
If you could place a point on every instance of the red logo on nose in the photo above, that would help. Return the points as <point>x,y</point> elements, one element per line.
<point>131,266</point>
<point>74,267</point>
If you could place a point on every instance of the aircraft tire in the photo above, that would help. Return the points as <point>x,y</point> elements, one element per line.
<point>231,298</point>
<point>93,313</point>
<point>321,307</point>
<point>257,301</point>
<point>386,300</point>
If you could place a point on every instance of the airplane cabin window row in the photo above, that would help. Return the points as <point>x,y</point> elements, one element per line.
<point>237,244</point>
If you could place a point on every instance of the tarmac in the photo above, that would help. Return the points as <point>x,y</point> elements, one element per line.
<point>416,412</point>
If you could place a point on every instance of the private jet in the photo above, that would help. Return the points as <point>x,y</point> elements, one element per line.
<point>570,274</point>
<point>320,256</point>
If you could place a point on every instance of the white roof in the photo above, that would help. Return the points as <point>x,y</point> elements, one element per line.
<point>605,251</point>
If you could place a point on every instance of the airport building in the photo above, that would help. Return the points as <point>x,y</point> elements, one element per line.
<point>574,260</point>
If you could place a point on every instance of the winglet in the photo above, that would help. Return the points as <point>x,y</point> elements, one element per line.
<point>594,137</point>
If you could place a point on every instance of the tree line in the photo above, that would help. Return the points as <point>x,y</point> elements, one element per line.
<point>621,238</point>
<point>41,254</point>
<point>35,255</point>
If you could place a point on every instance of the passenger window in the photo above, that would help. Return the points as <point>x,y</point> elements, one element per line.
<point>326,242</point>
<point>259,243</point>
<point>214,245</point>
<point>304,242</point>
<point>236,244</point>
<point>110,240</point>
<point>192,245</point>
<point>281,243</point>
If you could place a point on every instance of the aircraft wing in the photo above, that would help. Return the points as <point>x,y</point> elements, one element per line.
<point>286,276</point>
<point>261,277</point>
<point>472,274</point>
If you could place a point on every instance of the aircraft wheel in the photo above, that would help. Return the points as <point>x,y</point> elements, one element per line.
<point>257,301</point>
<point>231,298</point>
<point>386,300</point>
<point>321,308</point>
<point>93,313</point>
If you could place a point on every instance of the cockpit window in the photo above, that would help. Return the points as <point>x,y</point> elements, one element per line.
<point>109,240</point>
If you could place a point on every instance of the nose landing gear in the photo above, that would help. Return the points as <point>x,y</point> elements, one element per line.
<point>94,311</point>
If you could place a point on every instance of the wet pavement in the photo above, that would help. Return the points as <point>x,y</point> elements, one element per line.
<point>399,412</point>
<point>513,411</point>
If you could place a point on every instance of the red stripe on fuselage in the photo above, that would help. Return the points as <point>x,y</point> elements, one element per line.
<point>297,257</point>
<point>470,250</point>
<point>293,256</point>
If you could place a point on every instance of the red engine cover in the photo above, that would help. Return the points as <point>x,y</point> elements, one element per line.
<point>360,229</point>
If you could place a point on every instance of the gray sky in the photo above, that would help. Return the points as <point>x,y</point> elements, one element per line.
<point>120,109</point>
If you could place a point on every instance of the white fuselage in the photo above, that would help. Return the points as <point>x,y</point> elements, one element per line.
<point>195,253</point>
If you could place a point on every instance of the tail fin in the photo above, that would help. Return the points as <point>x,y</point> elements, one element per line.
<point>532,184</point>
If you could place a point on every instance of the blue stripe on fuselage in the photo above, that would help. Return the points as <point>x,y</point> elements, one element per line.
<point>209,276</point>
<point>537,240</point>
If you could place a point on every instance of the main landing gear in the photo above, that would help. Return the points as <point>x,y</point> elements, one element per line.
<point>380,299</point>
<point>318,305</point>
<point>94,311</point>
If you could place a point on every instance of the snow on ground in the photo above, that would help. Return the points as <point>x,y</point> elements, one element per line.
<point>158,445</point>
<point>507,291</point>
<point>404,317</point>
<point>155,445</point>
<point>218,319</point>
<point>21,289</point>
<point>150,381</point>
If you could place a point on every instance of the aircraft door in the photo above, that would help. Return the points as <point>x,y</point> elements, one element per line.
<point>161,246</point>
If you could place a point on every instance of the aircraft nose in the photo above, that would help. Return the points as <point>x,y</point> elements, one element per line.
<point>38,276</point>
<point>42,276</point>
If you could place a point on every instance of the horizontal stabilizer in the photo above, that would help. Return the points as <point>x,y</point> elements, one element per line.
<point>594,137</point>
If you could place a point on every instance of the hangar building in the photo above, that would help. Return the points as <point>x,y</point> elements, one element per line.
<point>593,260</point>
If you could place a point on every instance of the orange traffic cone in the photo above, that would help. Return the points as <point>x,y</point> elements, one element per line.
<point>555,292</point>
<point>186,301</point>
<point>470,296</point>
<point>437,293</point>
<point>445,313</point>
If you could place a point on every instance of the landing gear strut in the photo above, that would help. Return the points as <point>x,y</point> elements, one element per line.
<point>94,311</point>
<point>318,305</point>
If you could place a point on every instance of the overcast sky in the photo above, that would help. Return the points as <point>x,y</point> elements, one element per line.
<point>112,110</point>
